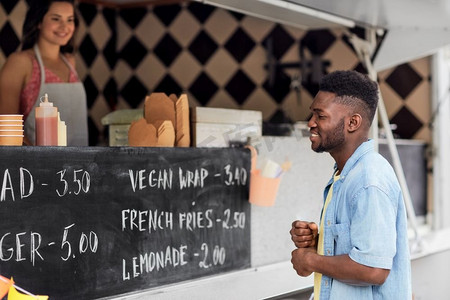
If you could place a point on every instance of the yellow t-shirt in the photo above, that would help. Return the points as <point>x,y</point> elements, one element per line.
<point>318,276</point>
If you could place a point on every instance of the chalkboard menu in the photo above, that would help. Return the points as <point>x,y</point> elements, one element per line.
<point>85,223</point>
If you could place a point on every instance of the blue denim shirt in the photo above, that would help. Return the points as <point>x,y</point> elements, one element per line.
<point>366,219</point>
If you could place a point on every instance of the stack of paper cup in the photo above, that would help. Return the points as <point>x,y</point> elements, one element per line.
<point>11,130</point>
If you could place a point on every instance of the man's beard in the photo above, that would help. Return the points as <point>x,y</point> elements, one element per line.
<point>333,139</point>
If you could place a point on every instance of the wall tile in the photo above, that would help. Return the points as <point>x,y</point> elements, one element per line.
<point>133,16</point>
<point>167,85</point>
<point>404,79</point>
<point>149,31</point>
<point>184,29</point>
<point>297,105</point>
<point>418,102</point>
<point>339,61</point>
<point>279,41</point>
<point>151,71</point>
<point>260,100</point>
<point>167,13</point>
<point>185,69</point>
<point>203,47</point>
<point>200,11</point>
<point>221,67</point>
<point>392,101</point>
<point>253,65</point>
<point>240,86</point>
<point>258,29</point>
<point>221,25</point>
<point>407,123</point>
<point>167,50</point>
<point>222,99</point>
<point>203,88</point>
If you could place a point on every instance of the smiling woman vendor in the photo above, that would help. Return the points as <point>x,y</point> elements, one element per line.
<point>45,66</point>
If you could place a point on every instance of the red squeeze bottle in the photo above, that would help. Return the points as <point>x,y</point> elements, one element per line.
<point>46,123</point>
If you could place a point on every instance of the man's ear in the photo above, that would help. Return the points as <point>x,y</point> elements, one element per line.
<point>354,122</point>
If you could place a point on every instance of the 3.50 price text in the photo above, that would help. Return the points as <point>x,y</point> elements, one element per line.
<point>79,182</point>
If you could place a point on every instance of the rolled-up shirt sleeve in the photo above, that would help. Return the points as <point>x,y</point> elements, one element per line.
<point>373,228</point>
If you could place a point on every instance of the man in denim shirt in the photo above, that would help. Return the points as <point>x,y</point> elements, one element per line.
<point>360,248</point>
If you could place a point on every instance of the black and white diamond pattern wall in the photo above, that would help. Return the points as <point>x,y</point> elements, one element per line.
<point>219,59</point>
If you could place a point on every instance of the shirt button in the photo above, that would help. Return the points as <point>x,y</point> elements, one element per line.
<point>328,222</point>
<point>326,282</point>
<point>328,252</point>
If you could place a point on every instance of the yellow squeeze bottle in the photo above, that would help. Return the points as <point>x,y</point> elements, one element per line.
<point>62,132</point>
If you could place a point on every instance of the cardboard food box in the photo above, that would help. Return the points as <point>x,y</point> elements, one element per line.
<point>220,127</point>
<point>163,122</point>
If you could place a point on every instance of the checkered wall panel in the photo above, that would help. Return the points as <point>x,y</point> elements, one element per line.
<point>219,58</point>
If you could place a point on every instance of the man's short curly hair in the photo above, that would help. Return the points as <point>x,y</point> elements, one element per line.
<point>353,89</point>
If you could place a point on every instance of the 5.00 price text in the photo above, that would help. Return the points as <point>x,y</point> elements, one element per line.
<point>21,245</point>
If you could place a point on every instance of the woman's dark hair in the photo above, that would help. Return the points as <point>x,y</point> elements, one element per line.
<point>351,85</point>
<point>35,15</point>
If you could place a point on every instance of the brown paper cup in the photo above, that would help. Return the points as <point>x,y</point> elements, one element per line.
<point>11,140</point>
<point>263,190</point>
<point>11,127</point>
<point>11,122</point>
<point>11,117</point>
<point>11,132</point>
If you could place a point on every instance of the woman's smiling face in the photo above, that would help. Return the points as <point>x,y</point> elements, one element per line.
<point>58,24</point>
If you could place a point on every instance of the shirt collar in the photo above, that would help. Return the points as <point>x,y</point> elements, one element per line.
<point>362,149</point>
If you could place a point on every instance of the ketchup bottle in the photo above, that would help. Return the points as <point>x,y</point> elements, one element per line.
<point>46,123</point>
